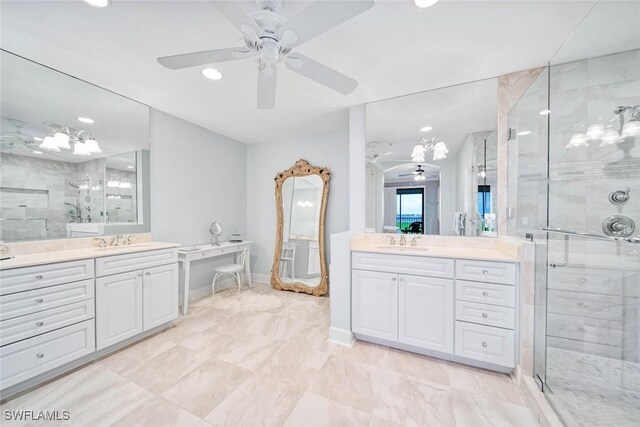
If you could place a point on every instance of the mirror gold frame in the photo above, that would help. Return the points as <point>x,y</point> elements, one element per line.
<point>300,169</point>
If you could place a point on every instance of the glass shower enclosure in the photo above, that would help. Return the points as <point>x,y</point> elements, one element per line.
<point>574,189</point>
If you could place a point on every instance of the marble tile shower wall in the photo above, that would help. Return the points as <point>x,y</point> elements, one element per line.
<point>584,93</point>
<point>593,302</point>
<point>121,202</point>
<point>33,192</point>
<point>90,198</point>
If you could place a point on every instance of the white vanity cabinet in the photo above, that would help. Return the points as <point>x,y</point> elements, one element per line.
<point>57,316</point>
<point>46,318</point>
<point>458,309</point>
<point>137,300</point>
<point>426,312</point>
<point>118,308</point>
<point>375,304</point>
<point>159,295</point>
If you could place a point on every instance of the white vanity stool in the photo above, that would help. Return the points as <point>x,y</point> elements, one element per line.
<point>235,270</point>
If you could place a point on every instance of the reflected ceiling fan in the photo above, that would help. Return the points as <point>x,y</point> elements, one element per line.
<point>271,39</point>
<point>418,171</point>
<point>418,175</point>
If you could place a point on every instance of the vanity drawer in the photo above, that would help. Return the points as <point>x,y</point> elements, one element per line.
<point>28,358</point>
<point>28,326</point>
<point>485,343</point>
<point>485,314</point>
<point>24,303</point>
<point>136,261</point>
<point>486,271</point>
<point>487,293</point>
<point>403,264</point>
<point>42,276</point>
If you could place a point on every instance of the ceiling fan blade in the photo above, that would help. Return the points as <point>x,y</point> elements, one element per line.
<point>267,88</point>
<point>321,73</point>
<point>186,60</point>
<point>235,14</point>
<point>321,16</point>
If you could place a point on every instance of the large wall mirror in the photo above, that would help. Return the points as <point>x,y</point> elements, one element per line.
<point>432,162</point>
<point>74,157</point>
<point>301,201</point>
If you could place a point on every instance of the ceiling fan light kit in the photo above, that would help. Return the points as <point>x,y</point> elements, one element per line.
<point>271,39</point>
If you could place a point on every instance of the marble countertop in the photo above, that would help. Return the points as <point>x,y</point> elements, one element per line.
<point>434,251</point>
<point>51,257</point>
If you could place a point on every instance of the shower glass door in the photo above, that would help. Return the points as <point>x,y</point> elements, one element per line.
<point>592,374</point>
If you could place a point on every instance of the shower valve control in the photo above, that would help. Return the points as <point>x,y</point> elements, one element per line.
<point>618,226</point>
<point>619,197</point>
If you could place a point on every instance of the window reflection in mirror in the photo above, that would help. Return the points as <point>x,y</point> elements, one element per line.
<point>431,162</point>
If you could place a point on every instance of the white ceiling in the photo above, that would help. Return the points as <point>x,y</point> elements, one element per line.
<point>392,49</point>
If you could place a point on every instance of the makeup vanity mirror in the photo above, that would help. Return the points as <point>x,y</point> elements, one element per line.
<point>74,157</point>
<point>299,263</point>
<point>431,162</point>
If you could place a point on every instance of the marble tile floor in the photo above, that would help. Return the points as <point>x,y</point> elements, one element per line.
<point>262,359</point>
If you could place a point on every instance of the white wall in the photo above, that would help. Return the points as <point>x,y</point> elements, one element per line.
<point>264,161</point>
<point>197,177</point>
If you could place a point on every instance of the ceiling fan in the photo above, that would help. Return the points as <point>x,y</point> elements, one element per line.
<point>272,39</point>
<point>419,171</point>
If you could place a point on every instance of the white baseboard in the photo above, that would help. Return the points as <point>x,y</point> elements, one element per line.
<point>341,337</point>
<point>261,278</point>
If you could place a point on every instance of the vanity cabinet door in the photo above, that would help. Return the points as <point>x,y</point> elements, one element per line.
<point>426,312</point>
<point>118,308</point>
<point>375,304</point>
<point>160,295</point>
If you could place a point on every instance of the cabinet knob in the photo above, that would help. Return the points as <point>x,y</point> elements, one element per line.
<point>40,355</point>
<point>393,279</point>
<point>582,280</point>
<point>484,344</point>
<point>39,277</point>
<point>39,300</point>
<point>39,323</point>
<point>485,271</point>
<point>485,315</point>
<point>402,279</point>
<point>485,293</point>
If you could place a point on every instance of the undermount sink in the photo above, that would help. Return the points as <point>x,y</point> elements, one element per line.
<point>405,248</point>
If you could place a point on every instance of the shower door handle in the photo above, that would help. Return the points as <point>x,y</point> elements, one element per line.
<point>630,239</point>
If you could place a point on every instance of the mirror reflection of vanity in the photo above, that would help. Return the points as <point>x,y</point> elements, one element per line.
<point>431,162</point>
<point>301,197</point>
<point>74,157</point>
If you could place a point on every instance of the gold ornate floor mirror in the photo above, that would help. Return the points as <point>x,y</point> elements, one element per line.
<point>299,262</point>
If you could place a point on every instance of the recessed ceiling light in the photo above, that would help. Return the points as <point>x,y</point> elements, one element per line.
<point>129,166</point>
<point>524,132</point>
<point>98,3</point>
<point>423,4</point>
<point>545,112</point>
<point>86,120</point>
<point>212,73</point>
<point>425,129</point>
<point>37,152</point>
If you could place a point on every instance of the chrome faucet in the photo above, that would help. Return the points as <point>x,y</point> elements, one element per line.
<point>414,241</point>
<point>392,241</point>
<point>127,240</point>
<point>116,240</point>
<point>403,240</point>
<point>102,243</point>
